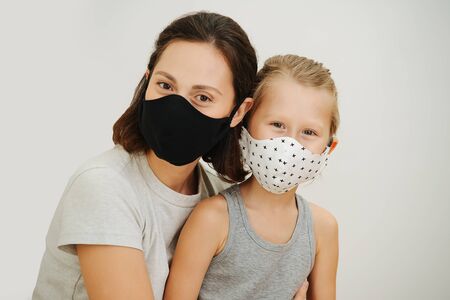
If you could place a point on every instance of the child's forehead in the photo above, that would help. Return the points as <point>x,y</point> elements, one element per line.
<point>292,97</point>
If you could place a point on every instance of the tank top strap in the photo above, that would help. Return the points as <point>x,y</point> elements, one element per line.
<point>234,218</point>
<point>309,228</point>
<point>230,195</point>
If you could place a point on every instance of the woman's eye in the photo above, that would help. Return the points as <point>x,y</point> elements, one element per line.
<point>164,85</point>
<point>203,98</point>
<point>278,125</point>
<point>309,132</point>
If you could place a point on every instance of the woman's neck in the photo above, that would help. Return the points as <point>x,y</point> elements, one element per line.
<point>181,179</point>
<point>255,196</point>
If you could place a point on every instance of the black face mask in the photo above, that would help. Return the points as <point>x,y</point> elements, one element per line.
<point>176,131</point>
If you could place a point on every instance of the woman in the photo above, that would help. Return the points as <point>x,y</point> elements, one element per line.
<point>117,223</point>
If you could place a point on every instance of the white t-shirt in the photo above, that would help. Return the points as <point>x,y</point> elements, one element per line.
<point>115,199</point>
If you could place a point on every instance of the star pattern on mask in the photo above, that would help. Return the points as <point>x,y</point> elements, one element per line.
<point>276,161</point>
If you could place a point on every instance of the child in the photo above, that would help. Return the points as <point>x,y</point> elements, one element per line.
<point>259,239</point>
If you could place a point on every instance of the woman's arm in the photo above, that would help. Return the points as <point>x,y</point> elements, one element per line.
<point>114,272</point>
<point>322,280</point>
<point>202,237</point>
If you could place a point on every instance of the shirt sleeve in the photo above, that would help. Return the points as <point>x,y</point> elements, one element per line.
<point>99,207</point>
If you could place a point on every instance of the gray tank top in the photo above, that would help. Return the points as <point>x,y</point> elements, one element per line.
<point>251,268</point>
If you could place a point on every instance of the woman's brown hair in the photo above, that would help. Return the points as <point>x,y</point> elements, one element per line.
<point>228,37</point>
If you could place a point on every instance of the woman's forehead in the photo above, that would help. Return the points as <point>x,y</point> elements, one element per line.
<point>195,62</point>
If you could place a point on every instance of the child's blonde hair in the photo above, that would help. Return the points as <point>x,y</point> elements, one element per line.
<point>303,70</point>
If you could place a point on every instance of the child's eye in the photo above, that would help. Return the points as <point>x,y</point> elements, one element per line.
<point>203,98</point>
<point>309,132</point>
<point>164,85</point>
<point>278,125</point>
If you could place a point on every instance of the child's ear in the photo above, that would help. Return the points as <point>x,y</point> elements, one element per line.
<point>332,144</point>
<point>245,106</point>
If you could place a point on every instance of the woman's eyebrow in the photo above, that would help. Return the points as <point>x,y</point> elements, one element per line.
<point>205,87</point>
<point>195,87</point>
<point>165,74</point>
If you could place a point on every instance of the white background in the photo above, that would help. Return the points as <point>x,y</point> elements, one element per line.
<point>69,68</point>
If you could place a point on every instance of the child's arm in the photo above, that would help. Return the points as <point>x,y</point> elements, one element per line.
<point>322,280</point>
<point>201,238</point>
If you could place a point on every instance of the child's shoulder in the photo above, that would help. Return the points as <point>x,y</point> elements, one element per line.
<point>211,216</point>
<point>212,211</point>
<point>213,205</point>
<point>325,224</point>
<point>322,216</point>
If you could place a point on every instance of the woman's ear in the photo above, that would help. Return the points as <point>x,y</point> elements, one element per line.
<point>245,106</point>
<point>147,74</point>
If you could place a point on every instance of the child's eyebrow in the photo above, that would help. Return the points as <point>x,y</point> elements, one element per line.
<point>315,124</point>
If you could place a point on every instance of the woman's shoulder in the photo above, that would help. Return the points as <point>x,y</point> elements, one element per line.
<point>325,224</point>
<point>100,206</point>
<point>106,175</point>
<point>114,159</point>
<point>111,164</point>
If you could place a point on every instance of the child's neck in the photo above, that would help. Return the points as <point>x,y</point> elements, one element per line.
<point>255,196</point>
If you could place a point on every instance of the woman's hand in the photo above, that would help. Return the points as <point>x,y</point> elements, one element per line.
<point>301,293</point>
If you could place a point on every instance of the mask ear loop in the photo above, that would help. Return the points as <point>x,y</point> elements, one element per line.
<point>243,142</point>
<point>332,144</point>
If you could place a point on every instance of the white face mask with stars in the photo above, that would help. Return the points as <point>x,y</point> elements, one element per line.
<point>280,164</point>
